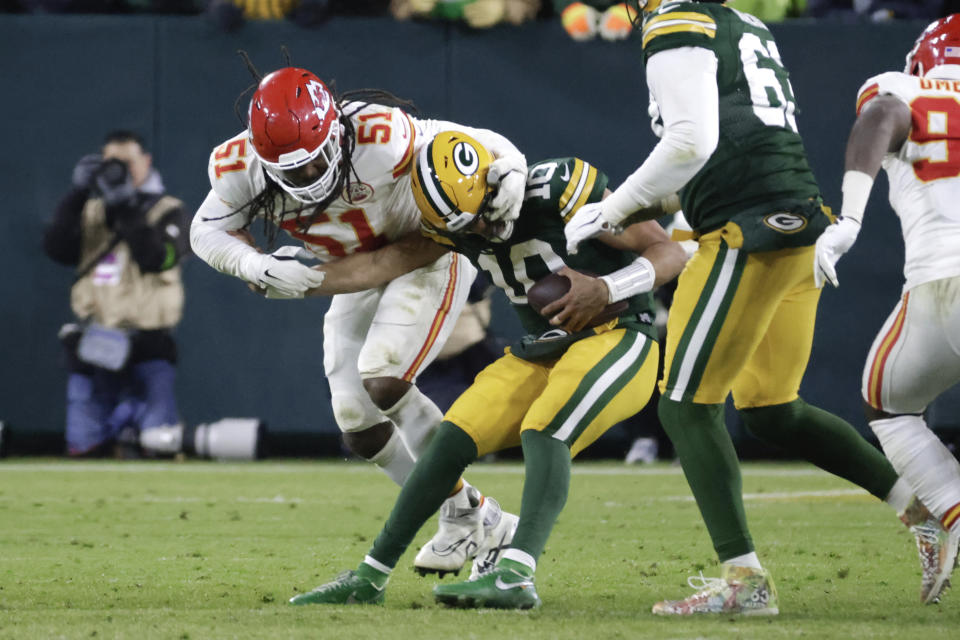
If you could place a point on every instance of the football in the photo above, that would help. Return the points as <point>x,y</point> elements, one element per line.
<point>554,286</point>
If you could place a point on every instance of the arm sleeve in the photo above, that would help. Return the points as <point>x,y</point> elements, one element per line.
<point>62,236</point>
<point>212,244</point>
<point>691,122</point>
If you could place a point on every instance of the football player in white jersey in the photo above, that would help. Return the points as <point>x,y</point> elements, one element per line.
<point>334,173</point>
<point>909,123</point>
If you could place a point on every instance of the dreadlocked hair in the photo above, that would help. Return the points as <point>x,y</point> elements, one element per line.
<point>271,203</point>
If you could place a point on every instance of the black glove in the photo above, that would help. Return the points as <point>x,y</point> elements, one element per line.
<point>113,183</point>
<point>85,169</point>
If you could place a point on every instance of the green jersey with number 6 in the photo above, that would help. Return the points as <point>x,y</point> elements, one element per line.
<point>759,166</point>
<point>555,190</point>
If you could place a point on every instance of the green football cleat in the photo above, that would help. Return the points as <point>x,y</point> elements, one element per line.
<point>502,588</point>
<point>350,587</point>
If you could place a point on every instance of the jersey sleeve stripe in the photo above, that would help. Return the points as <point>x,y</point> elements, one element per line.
<point>404,163</point>
<point>679,21</point>
<point>710,32</point>
<point>578,189</point>
<point>867,95</point>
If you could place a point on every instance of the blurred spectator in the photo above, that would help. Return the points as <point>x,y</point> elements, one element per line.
<point>479,14</point>
<point>110,6</point>
<point>771,11</point>
<point>231,14</point>
<point>126,239</point>
<point>877,10</point>
<point>610,19</point>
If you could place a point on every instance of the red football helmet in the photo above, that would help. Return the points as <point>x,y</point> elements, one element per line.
<point>295,130</point>
<point>938,45</point>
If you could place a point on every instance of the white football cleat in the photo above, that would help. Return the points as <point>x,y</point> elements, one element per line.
<point>465,521</point>
<point>498,527</point>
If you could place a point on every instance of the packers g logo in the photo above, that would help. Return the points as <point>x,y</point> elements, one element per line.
<point>785,222</point>
<point>466,159</point>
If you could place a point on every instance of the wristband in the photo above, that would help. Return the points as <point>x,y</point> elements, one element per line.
<point>856,190</point>
<point>635,278</point>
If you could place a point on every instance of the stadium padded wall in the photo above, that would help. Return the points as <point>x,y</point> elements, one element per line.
<point>68,79</point>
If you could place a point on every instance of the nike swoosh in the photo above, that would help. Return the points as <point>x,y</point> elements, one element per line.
<point>507,586</point>
<point>566,173</point>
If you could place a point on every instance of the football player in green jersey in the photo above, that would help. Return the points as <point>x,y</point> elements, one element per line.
<point>743,313</point>
<point>554,392</point>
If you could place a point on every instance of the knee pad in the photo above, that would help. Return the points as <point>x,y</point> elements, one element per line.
<point>355,412</point>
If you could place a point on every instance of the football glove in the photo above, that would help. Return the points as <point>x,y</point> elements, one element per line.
<point>615,23</point>
<point>587,222</point>
<point>580,21</point>
<point>85,169</point>
<point>509,175</point>
<point>835,241</point>
<point>283,276</point>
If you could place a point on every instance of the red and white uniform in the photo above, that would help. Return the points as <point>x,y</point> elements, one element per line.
<point>916,355</point>
<point>393,331</point>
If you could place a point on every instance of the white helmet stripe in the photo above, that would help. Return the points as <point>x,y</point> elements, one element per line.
<point>430,186</point>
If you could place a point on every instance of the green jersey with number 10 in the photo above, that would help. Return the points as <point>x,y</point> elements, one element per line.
<point>759,165</point>
<point>556,188</point>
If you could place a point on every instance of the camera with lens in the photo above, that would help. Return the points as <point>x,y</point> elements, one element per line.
<point>113,183</point>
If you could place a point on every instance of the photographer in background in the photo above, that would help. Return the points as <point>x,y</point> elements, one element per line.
<point>126,239</point>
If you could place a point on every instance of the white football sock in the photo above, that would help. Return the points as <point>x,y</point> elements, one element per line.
<point>417,418</point>
<point>900,496</point>
<point>746,560</point>
<point>395,459</point>
<point>522,557</point>
<point>924,462</point>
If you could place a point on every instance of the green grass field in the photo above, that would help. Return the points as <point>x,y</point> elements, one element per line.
<point>206,550</point>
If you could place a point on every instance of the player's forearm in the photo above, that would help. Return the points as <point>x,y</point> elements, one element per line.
<point>368,270</point>
<point>222,251</point>
<point>668,259</point>
<point>690,112</point>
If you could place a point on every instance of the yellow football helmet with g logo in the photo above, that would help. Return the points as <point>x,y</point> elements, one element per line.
<point>450,181</point>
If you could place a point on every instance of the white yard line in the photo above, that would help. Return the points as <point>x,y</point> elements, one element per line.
<point>586,469</point>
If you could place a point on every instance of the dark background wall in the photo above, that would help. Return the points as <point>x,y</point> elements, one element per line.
<point>66,80</point>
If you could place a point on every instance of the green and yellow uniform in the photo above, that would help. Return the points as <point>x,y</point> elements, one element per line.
<point>572,386</point>
<point>743,315</point>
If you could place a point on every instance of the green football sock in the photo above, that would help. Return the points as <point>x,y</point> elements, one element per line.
<point>545,486</point>
<point>824,439</point>
<point>710,465</point>
<point>450,452</point>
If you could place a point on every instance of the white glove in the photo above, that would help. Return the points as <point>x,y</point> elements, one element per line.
<point>587,222</point>
<point>284,277</point>
<point>510,173</point>
<point>835,241</point>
